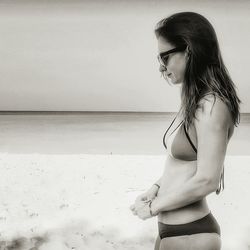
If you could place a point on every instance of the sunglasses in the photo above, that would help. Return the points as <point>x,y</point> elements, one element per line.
<point>163,57</point>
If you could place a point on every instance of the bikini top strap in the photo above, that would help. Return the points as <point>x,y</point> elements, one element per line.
<point>190,141</point>
<point>169,128</point>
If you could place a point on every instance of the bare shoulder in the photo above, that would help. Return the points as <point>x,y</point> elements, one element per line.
<point>213,111</point>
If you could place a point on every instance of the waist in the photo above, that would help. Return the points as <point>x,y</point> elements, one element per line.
<point>175,174</point>
<point>179,168</point>
<point>185,214</point>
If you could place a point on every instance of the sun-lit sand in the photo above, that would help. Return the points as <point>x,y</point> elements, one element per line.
<point>82,202</point>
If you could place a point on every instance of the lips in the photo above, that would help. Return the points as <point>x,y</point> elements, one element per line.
<point>164,73</point>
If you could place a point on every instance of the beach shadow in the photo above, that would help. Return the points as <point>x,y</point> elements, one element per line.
<point>23,243</point>
<point>79,235</point>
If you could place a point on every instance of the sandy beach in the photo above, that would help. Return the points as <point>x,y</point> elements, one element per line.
<point>82,202</point>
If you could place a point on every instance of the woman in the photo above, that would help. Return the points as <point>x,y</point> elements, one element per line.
<point>189,55</point>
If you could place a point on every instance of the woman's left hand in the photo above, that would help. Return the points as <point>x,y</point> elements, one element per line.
<point>141,209</point>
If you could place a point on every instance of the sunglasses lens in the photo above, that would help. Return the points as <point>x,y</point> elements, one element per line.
<point>165,60</point>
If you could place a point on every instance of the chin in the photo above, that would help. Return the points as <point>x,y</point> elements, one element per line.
<point>175,82</point>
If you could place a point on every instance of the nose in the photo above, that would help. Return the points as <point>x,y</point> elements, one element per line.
<point>162,68</point>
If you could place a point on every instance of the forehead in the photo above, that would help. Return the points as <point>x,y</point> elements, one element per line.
<point>164,45</point>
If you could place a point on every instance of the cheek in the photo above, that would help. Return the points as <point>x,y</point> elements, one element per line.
<point>178,67</point>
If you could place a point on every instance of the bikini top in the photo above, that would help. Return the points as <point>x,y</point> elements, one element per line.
<point>171,138</point>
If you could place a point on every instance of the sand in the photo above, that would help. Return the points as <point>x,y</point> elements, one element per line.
<point>82,202</point>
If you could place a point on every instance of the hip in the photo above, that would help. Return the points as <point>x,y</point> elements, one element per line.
<point>206,224</point>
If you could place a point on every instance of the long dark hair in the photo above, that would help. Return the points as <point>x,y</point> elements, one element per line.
<point>205,70</point>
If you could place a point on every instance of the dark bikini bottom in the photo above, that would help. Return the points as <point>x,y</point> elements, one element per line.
<point>207,224</point>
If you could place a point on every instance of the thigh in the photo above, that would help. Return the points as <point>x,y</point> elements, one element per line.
<point>174,243</point>
<point>204,241</point>
<point>157,243</point>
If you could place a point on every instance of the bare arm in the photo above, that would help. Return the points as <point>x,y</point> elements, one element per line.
<point>155,188</point>
<point>158,182</point>
<point>212,125</point>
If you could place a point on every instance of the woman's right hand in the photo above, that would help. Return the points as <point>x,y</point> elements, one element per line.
<point>142,199</point>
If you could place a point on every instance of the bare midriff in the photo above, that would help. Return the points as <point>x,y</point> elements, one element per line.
<point>176,173</point>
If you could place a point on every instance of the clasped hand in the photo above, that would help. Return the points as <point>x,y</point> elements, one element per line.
<point>141,207</point>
